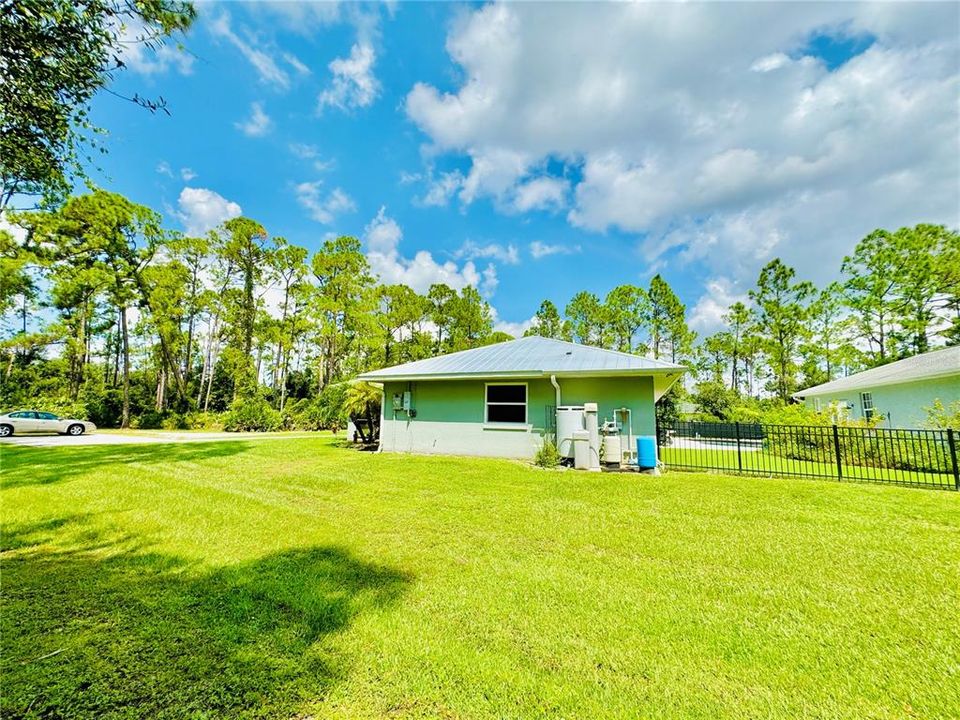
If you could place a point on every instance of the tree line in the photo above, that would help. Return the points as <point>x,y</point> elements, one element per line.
<point>109,314</point>
<point>898,295</point>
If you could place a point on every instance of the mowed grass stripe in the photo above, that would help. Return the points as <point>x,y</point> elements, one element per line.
<point>296,578</point>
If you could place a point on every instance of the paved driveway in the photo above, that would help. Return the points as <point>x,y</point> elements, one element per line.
<point>139,438</point>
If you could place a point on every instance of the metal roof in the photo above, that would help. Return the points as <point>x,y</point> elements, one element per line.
<point>936,364</point>
<point>525,357</point>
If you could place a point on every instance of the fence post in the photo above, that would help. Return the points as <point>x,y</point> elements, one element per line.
<point>951,441</point>
<point>836,449</point>
<point>739,458</point>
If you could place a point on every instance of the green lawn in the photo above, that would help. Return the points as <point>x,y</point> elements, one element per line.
<point>296,579</point>
<point>763,462</point>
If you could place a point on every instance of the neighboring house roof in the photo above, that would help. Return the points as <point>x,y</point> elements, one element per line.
<point>928,366</point>
<point>523,358</point>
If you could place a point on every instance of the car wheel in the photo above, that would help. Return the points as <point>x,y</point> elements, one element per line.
<point>75,430</point>
<point>6,430</point>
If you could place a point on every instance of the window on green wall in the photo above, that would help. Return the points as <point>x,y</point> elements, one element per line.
<point>506,403</point>
<point>866,404</point>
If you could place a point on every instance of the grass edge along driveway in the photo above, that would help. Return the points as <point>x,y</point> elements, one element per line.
<point>296,579</point>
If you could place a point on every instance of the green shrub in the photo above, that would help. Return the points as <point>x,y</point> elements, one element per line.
<point>148,420</point>
<point>547,456</point>
<point>175,421</point>
<point>204,421</point>
<point>252,415</point>
<point>304,414</point>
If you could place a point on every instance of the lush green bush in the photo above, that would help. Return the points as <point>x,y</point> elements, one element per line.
<point>204,421</point>
<point>304,414</point>
<point>940,417</point>
<point>252,415</point>
<point>547,455</point>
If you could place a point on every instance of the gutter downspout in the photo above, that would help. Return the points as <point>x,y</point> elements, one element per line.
<point>556,410</point>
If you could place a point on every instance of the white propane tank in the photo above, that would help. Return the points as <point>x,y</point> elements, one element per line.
<point>569,420</point>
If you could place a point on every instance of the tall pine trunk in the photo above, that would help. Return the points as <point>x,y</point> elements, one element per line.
<point>125,415</point>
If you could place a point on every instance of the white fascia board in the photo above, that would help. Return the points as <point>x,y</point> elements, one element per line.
<point>526,375</point>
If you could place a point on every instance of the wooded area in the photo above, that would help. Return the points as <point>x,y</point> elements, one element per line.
<point>110,315</point>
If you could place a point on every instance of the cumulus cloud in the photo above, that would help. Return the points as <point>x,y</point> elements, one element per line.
<point>540,249</point>
<point>258,124</point>
<point>200,210</point>
<point>187,174</point>
<point>383,236</point>
<point>706,316</point>
<point>441,189</point>
<point>516,329</point>
<point>323,209</point>
<point>353,84</point>
<point>701,135</point>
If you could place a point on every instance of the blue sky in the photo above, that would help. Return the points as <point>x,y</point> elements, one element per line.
<point>539,149</point>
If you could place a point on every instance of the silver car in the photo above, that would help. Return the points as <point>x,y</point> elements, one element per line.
<point>32,421</point>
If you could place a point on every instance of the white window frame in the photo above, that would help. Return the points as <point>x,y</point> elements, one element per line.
<point>866,405</point>
<point>486,404</point>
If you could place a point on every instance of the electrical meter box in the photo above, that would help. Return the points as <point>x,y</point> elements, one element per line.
<point>403,401</point>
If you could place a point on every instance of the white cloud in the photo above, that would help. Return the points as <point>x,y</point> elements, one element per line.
<point>302,17</point>
<point>540,194</point>
<point>163,168</point>
<point>154,58</point>
<point>770,62</point>
<point>541,249</point>
<point>187,174</point>
<point>734,146</point>
<point>295,62</point>
<point>440,190</point>
<point>311,153</point>
<point>470,250</point>
<point>706,317</point>
<point>268,69</point>
<point>383,236</point>
<point>200,210</point>
<point>258,124</point>
<point>516,329</point>
<point>353,84</point>
<point>323,209</point>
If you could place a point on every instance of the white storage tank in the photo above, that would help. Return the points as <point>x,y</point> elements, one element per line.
<point>569,420</point>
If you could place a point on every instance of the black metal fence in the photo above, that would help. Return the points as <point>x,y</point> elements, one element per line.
<point>918,458</point>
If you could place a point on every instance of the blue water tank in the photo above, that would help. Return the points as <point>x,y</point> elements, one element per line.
<point>646,452</point>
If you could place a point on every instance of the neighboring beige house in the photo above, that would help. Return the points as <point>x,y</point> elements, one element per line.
<point>899,392</point>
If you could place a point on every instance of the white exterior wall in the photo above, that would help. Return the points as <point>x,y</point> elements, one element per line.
<point>457,438</point>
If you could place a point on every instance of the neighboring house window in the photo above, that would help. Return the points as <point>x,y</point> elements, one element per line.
<point>816,404</point>
<point>506,404</point>
<point>866,404</point>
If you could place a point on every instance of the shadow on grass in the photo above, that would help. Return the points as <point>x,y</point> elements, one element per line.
<point>105,631</point>
<point>24,466</point>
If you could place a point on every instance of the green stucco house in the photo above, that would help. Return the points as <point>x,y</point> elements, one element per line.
<point>899,392</point>
<point>501,400</point>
